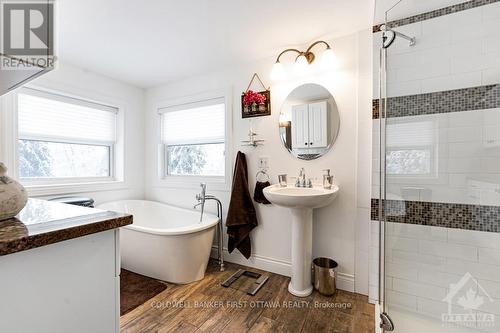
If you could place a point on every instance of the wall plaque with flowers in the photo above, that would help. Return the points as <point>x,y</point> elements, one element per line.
<point>255,103</point>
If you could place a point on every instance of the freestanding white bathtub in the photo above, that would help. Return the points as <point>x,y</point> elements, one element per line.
<point>165,242</point>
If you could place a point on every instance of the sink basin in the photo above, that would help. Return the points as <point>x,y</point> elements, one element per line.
<point>300,197</point>
<point>301,202</point>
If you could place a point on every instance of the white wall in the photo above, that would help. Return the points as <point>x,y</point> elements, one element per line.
<point>339,230</point>
<point>335,225</point>
<point>74,81</point>
<point>364,156</point>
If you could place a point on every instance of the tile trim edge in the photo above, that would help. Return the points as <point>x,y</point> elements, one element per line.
<point>457,100</point>
<point>440,214</point>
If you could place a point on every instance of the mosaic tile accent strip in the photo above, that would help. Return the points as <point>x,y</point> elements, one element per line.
<point>440,214</point>
<point>467,99</point>
<point>436,13</point>
<point>375,108</point>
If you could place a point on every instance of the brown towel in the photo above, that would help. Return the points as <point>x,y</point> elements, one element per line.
<point>241,216</point>
<point>258,194</point>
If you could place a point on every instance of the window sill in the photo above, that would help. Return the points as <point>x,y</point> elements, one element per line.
<point>71,188</point>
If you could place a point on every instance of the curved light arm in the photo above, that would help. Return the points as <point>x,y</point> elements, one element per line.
<point>287,50</point>
<point>307,53</point>
<point>316,43</point>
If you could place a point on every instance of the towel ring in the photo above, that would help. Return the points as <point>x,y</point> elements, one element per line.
<point>262,172</point>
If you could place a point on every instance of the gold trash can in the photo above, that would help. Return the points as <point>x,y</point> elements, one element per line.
<point>324,276</point>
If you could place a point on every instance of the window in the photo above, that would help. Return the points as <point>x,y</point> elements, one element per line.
<point>63,138</point>
<point>411,148</point>
<point>409,161</point>
<point>193,136</point>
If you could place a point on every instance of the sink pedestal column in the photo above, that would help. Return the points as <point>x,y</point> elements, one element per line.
<point>300,284</point>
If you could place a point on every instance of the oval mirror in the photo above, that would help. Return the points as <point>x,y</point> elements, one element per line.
<point>309,121</point>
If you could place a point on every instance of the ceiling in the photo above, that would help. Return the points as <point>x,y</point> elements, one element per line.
<point>150,42</point>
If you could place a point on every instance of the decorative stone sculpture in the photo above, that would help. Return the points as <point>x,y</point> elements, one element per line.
<point>13,196</point>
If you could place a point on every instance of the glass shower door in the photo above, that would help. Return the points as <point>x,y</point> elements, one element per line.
<point>437,184</point>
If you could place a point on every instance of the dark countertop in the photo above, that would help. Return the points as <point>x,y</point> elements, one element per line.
<point>44,222</point>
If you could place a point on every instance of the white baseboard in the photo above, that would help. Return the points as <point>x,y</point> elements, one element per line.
<point>256,261</point>
<point>344,281</point>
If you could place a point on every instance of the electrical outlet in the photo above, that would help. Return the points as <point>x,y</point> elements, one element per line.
<point>263,162</point>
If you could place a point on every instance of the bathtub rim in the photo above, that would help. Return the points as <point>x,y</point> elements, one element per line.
<point>209,220</point>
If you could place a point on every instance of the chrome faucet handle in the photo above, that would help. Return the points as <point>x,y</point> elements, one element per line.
<point>297,182</point>
<point>201,196</point>
<point>309,183</point>
<point>302,173</point>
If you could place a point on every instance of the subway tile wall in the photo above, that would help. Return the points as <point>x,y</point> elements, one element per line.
<point>450,157</point>
<point>453,51</point>
<point>422,263</point>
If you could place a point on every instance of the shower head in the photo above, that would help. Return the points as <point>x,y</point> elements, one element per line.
<point>389,36</point>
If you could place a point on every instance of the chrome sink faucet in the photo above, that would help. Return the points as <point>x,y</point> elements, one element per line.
<point>301,180</point>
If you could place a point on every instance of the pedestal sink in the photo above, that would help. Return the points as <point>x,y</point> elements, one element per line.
<point>301,202</point>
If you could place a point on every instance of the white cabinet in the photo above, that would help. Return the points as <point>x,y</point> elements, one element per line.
<point>70,286</point>
<point>300,126</point>
<point>310,125</point>
<point>318,125</point>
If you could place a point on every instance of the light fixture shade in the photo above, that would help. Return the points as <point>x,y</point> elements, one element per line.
<point>328,59</point>
<point>301,64</point>
<point>278,72</point>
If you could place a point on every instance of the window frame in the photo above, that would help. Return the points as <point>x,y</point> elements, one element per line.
<point>221,183</point>
<point>63,185</point>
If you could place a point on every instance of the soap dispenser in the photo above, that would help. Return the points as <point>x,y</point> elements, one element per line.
<point>327,179</point>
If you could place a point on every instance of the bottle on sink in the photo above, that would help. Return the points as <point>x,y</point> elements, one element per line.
<point>327,179</point>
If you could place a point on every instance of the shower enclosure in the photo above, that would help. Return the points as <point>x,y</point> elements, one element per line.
<point>436,166</point>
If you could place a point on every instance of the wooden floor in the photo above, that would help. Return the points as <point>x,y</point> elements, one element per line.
<point>205,306</point>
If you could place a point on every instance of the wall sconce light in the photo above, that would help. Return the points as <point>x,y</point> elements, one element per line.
<point>303,60</point>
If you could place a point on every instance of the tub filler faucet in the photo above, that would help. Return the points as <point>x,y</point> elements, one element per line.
<point>201,198</point>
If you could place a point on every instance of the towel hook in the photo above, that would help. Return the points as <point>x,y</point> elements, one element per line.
<point>262,172</point>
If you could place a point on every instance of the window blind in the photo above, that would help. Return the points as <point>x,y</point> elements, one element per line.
<point>194,123</point>
<point>43,116</point>
<point>414,133</point>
